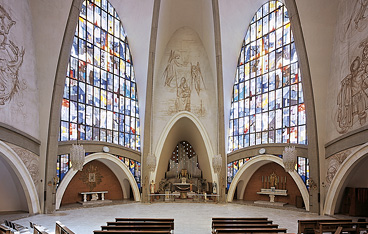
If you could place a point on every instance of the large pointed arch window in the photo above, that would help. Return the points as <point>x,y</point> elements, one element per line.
<point>268,103</point>
<point>100,100</point>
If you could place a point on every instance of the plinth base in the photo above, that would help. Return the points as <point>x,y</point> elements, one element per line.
<point>267,203</point>
<point>97,202</point>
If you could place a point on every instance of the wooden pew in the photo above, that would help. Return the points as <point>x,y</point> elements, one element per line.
<point>130,232</point>
<point>243,221</point>
<point>139,223</point>
<point>143,219</point>
<point>238,218</point>
<point>243,225</point>
<point>312,224</point>
<point>250,230</point>
<point>139,227</point>
<point>38,230</point>
<point>62,229</point>
<point>4,230</point>
<point>332,227</point>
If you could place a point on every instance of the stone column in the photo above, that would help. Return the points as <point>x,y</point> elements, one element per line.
<point>57,96</point>
<point>147,145</point>
<point>220,100</point>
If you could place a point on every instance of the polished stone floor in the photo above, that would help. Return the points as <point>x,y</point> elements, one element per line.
<point>189,217</point>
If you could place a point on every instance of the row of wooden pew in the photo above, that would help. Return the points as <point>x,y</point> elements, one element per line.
<point>245,225</point>
<point>337,226</point>
<point>10,227</point>
<point>138,225</point>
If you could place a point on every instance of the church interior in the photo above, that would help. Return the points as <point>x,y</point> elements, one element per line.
<point>195,110</point>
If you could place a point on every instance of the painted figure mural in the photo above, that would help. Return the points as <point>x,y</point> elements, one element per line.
<point>11,58</point>
<point>352,99</point>
<point>184,77</point>
<point>357,18</point>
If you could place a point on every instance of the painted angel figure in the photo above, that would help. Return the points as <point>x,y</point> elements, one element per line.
<point>11,58</point>
<point>197,77</point>
<point>360,13</point>
<point>170,72</point>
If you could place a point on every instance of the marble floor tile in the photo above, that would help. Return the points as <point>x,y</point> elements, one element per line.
<point>189,217</point>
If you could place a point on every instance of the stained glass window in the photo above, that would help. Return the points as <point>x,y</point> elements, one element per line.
<point>100,101</point>
<point>268,103</point>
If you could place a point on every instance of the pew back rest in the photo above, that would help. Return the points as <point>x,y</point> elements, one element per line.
<point>62,229</point>
<point>312,224</point>
<point>4,230</point>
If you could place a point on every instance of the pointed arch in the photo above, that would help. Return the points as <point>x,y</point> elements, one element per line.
<point>188,120</point>
<point>120,170</point>
<point>268,100</point>
<point>249,168</point>
<point>23,176</point>
<point>341,177</point>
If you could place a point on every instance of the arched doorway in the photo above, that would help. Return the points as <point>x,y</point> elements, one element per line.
<point>351,168</point>
<point>23,189</point>
<point>184,126</point>
<point>120,170</point>
<point>247,170</point>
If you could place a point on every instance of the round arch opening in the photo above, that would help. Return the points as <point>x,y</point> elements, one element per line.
<point>352,173</point>
<point>119,169</point>
<point>243,176</point>
<point>23,190</point>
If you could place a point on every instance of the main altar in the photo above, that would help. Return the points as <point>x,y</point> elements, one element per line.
<point>184,180</point>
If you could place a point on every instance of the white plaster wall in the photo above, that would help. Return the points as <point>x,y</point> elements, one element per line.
<point>188,46</point>
<point>12,195</point>
<point>49,20</point>
<point>350,33</point>
<point>21,111</point>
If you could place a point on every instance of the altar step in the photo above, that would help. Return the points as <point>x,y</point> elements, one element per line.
<point>267,203</point>
<point>92,203</point>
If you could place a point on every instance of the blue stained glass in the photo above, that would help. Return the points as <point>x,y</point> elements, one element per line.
<point>89,133</point>
<point>109,101</point>
<point>73,112</point>
<point>116,103</point>
<point>103,119</point>
<point>127,88</point>
<point>236,93</point>
<point>286,117</point>
<point>89,115</point>
<point>81,114</point>
<point>96,77</point>
<point>236,127</point>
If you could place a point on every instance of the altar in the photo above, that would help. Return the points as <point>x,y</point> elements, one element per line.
<point>273,186</point>
<point>272,192</point>
<point>183,188</point>
<point>183,181</point>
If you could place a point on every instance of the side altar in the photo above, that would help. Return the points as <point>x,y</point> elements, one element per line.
<point>272,192</point>
<point>273,186</point>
